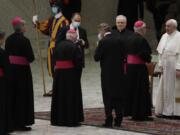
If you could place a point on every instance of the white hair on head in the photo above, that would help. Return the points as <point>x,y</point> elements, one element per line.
<point>172,21</point>
<point>121,17</point>
<point>68,36</point>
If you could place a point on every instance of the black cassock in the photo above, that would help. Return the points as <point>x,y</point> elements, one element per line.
<point>110,53</point>
<point>70,7</point>
<point>67,106</point>
<point>125,36</point>
<point>139,99</point>
<point>17,45</point>
<point>6,122</point>
<point>82,35</point>
<point>132,9</point>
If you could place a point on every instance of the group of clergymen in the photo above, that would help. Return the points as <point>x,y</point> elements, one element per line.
<point>123,55</point>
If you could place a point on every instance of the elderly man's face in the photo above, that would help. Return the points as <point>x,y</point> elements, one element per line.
<point>121,23</point>
<point>144,30</point>
<point>170,28</point>
<point>71,36</point>
<point>23,28</point>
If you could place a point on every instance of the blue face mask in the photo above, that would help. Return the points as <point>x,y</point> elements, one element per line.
<point>54,10</point>
<point>76,24</point>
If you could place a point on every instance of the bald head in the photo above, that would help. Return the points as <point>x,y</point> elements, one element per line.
<point>121,22</point>
<point>171,26</point>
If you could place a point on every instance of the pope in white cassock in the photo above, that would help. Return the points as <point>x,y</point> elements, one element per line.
<point>168,98</point>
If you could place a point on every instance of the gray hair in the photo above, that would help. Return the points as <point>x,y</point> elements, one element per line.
<point>18,27</point>
<point>104,26</point>
<point>121,17</point>
<point>172,21</point>
<point>137,29</point>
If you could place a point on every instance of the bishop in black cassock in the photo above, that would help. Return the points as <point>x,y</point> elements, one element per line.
<point>21,55</point>
<point>67,106</point>
<point>6,122</point>
<point>138,54</point>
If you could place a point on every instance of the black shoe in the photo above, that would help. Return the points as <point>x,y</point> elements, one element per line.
<point>74,125</point>
<point>108,125</point>
<point>24,128</point>
<point>108,122</point>
<point>4,133</point>
<point>148,119</point>
<point>142,119</point>
<point>117,122</point>
<point>166,117</point>
<point>159,116</point>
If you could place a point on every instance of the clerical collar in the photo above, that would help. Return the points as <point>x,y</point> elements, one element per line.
<point>121,30</point>
<point>58,15</point>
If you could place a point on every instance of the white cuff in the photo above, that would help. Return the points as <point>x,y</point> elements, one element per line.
<point>35,19</point>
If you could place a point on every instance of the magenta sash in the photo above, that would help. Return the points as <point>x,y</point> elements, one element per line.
<point>134,59</point>
<point>18,60</point>
<point>1,72</point>
<point>64,64</point>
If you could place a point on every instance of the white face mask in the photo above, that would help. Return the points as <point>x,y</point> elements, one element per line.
<point>54,10</point>
<point>76,24</point>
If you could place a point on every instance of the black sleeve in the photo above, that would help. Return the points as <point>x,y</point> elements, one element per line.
<point>29,51</point>
<point>78,57</point>
<point>7,45</point>
<point>98,52</point>
<point>146,51</point>
<point>6,64</point>
<point>61,35</point>
<point>86,39</point>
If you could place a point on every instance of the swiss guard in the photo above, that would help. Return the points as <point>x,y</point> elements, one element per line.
<point>52,27</point>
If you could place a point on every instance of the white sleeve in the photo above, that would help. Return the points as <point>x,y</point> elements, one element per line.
<point>160,60</point>
<point>178,61</point>
<point>178,56</point>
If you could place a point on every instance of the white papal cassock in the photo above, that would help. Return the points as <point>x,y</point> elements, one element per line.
<point>168,98</point>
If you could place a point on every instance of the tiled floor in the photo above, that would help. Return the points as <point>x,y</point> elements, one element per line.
<point>92,97</point>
